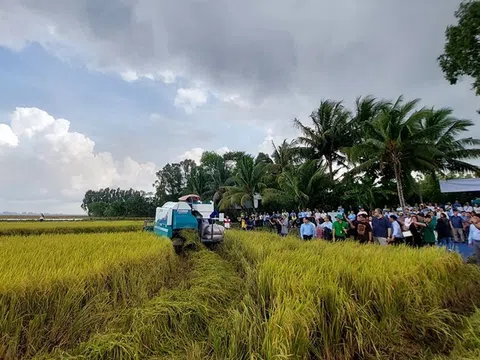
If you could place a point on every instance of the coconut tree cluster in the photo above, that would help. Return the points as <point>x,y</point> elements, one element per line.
<point>377,152</point>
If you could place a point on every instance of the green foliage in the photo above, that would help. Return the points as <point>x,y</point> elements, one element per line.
<point>328,135</point>
<point>461,55</point>
<point>119,203</point>
<point>248,181</point>
<point>299,186</point>
<point>367,152</point>
<point>401,139</point>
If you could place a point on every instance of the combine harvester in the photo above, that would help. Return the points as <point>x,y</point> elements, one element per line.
<point>189,213</point>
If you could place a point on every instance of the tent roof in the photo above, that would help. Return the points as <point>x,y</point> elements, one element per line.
<point>459,185</point>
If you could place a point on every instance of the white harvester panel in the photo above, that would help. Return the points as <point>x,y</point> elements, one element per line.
<point>204,209</point>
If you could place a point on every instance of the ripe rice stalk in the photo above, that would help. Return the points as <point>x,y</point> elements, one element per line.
<point>78,227</point>
<point>56,290</point>
<point>173,325</point>
<point>345,300</point>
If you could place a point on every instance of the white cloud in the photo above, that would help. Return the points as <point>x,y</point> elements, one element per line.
<point>129,76</point>
<point>195,154</point>
<point>223,150</point>
<point>7,136</point>
<point>38,151</point>
<point>276,137</point>
<point>190,98</point>
<point>167,77</point>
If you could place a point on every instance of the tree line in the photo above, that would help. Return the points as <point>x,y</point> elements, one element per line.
<point>119,203</point>
<point>379,152</point>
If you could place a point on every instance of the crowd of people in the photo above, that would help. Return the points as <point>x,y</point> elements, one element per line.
<point>417,226</point>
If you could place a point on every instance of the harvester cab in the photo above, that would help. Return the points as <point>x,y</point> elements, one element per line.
<point>189,213</point>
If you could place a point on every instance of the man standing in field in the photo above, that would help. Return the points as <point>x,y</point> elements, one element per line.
<point>382,230</point>
<point>456,223</point>
<point>307,229</point>
<point>428,231</point>
<point>363,228</point>
<point>340,227</point>
<point>474,236</point>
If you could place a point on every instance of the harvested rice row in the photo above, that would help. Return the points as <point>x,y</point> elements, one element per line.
<point>56,290</point>
<point>80,227</point>
<point>177,324</point>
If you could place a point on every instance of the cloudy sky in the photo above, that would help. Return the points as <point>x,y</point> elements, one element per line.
<point>104,93</point>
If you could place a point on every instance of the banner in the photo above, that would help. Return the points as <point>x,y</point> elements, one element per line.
<point>459,185</point>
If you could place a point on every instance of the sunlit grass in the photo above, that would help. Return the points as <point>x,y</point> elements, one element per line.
<point>340,301</point>
<point>38,228</point>
<point>258,297</point>
<point>57,289</point>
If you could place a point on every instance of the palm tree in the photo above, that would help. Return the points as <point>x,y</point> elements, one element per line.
<point>220,178</point>
<point>248,181</point>
<point>329,133</point>
<point>198,182</point>
<point>284,155</point>
<point>298,185</point>
<point>443,131</point>
<point>394,140</point>
<point>364,190</point>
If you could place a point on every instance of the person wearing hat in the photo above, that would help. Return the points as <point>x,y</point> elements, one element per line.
<point>339,228</point>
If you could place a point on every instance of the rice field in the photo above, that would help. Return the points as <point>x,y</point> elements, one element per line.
<point>128,296</point>
<point>58,289</point>
<point>74,227</point>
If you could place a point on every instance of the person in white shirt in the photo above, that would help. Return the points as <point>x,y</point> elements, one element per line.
<point>474,236</point>
<point>317,215</point>
<point>467,207</point>
<point>476,209</point>
<point>397,235</point>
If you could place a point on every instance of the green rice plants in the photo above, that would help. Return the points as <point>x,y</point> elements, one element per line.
<point>56,290</point>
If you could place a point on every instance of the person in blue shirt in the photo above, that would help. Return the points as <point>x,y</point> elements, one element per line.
<point>456,205</point>
<point>352,216</point>
<point>307,229</point>
<point>456,223</point>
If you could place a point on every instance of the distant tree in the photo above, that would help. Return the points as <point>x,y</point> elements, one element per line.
<point>119,203</point>
<point>248,181</point>
<point>96,209</point>
<point>461,55</point>
<point>299,186</point>
<point>198,182</point>
<point>234,156</point>
<point>393,142</point>
<point>170,181</point>
<point>329,133</point>
<point>285,155</point>
<point>209,160</point>
<point>263,158</point>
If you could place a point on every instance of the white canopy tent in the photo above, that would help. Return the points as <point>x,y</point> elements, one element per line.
<point>459,185</point>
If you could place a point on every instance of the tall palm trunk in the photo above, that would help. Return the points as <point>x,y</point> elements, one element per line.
<point>330,165</point>
<point>398,178</point>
